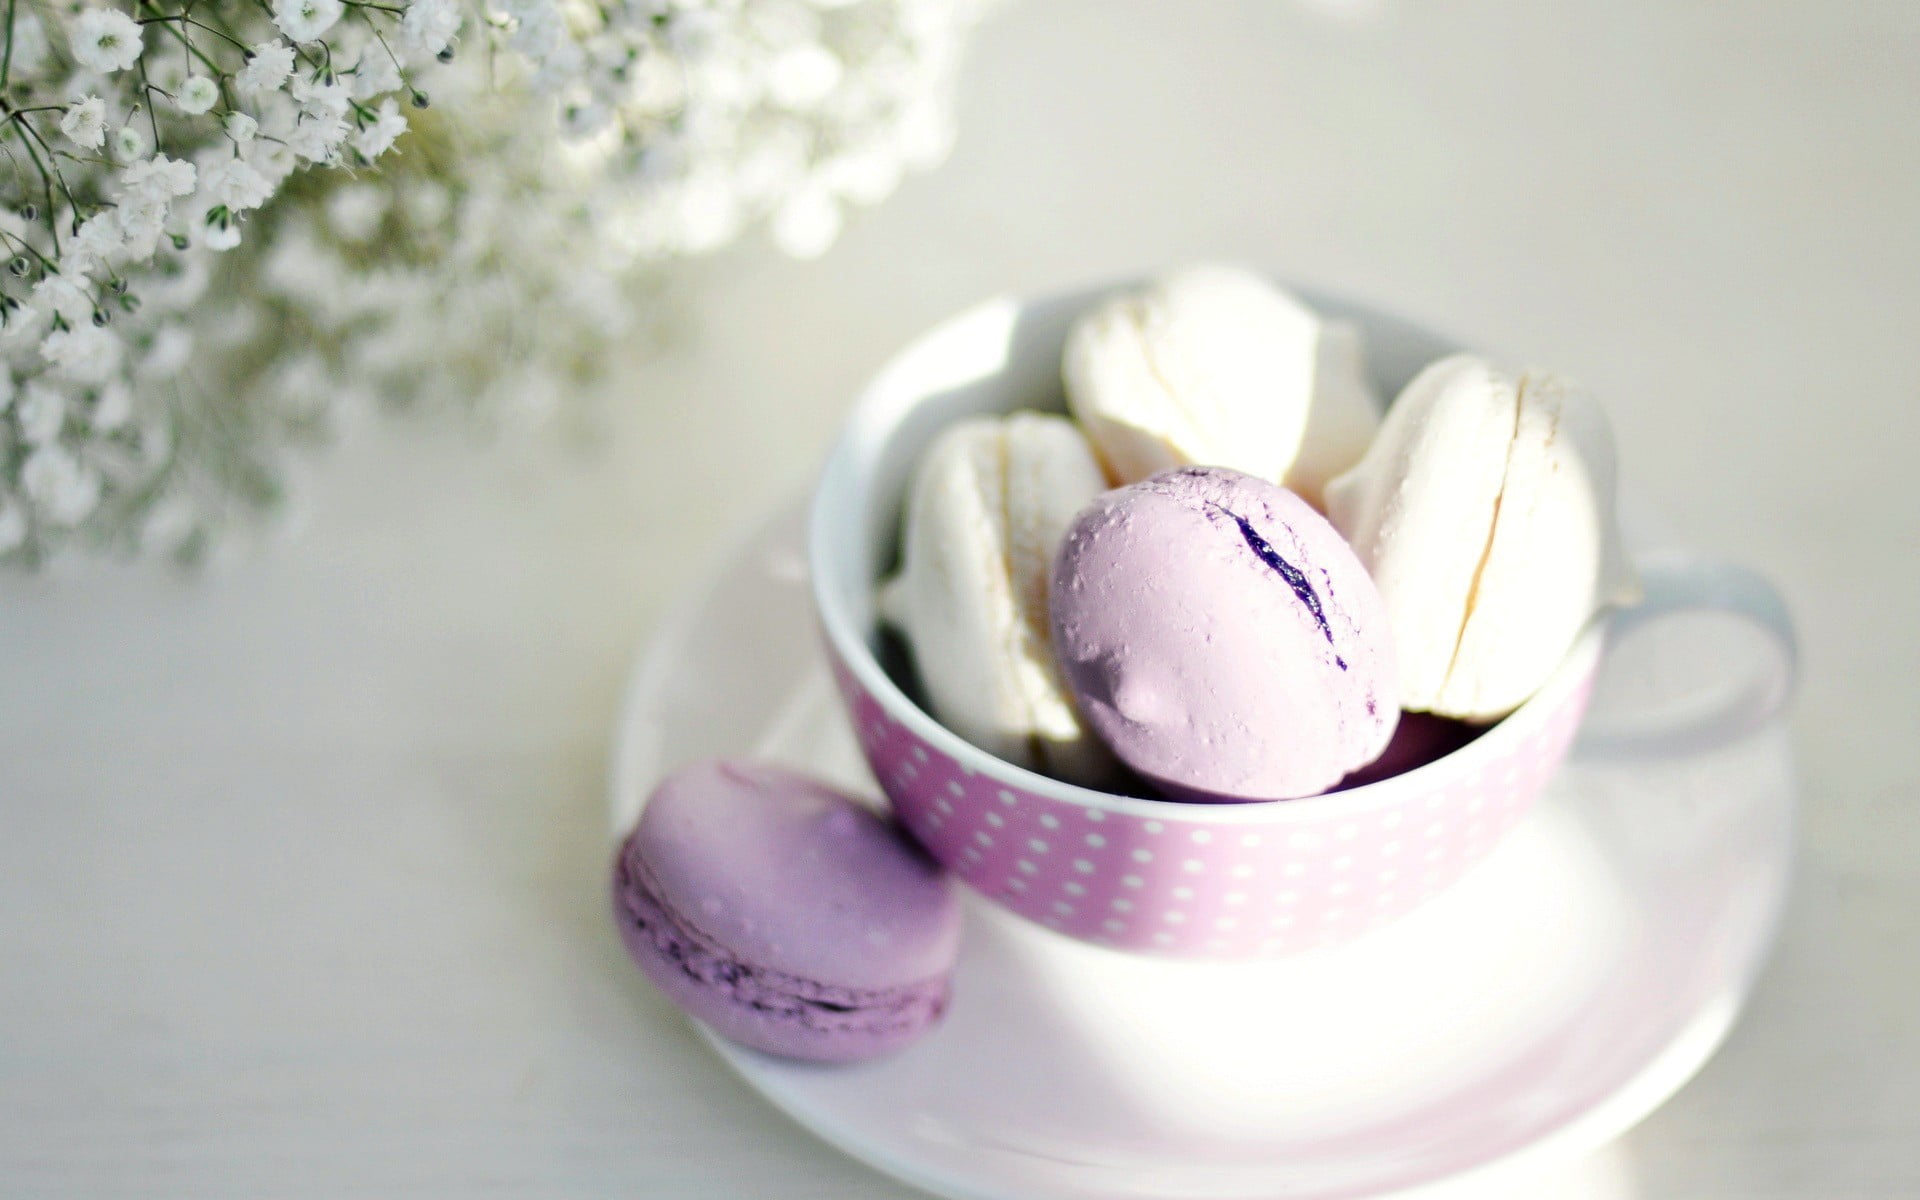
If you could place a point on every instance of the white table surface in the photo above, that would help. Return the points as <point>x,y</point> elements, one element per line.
<point>301,865</point>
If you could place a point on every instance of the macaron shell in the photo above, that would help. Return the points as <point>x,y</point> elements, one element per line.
<point>1202,665</point>
<point>1343,419</point>
<point>780,1014</point>
<point>1208,364</point>
<point>1550,563</point>
<point>1419,509</point>
<point>790,876</point>
<point>990,501</point>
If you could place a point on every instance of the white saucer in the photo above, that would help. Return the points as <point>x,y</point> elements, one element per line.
<point>1561,992</point>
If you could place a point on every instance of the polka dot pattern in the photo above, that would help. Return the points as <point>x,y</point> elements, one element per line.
<point>1189,882</point>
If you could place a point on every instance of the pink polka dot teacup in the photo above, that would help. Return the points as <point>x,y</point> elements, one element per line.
<point>1199,880</point>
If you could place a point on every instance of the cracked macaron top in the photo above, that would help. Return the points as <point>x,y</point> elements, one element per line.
<point>784,913</point>
<point>1222,638</point>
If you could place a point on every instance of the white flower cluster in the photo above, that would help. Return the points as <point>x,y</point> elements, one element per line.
<point>704,117</point>
<point>186,307</point>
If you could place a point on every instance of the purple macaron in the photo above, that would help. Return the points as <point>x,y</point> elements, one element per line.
<point>784,914</point>
<point>1222,638</point>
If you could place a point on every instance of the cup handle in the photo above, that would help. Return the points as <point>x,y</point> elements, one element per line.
<point>1675,582</point>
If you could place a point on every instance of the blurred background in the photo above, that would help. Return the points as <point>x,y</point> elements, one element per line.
<point>301,872</point>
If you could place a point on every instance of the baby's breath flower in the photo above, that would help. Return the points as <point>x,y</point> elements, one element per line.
<point>61,488</point>
<point>129,143</point>
<point>99,238</point>
<point>196,95</point>
<point>267,69</point>
<point>429,25</point>
<point>104,39</point>
<point>65,296</point>
<point>806,224</point>
<point>112,408</point>
<point>84,353</point>
<point>377,138</point>
<point>490,273</point>
<point>321,97</point>
<point>40,414</point>
<point>355,211</point>
<point>306,20</point>
<point>235,185</point>
<point>85,123</point>
<point>222,231</point>
<point>318,137</point>
<point>158,176</point>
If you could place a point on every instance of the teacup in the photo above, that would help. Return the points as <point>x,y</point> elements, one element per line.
<point>1230,881</point>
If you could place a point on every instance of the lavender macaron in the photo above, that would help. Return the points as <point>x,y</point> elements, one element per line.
<point>785,915</point>
<point>1222,638</point>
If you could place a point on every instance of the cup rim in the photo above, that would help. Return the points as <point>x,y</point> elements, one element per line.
<point>874,419</point>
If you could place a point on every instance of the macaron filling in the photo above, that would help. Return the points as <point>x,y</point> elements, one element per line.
<point>679,945</point>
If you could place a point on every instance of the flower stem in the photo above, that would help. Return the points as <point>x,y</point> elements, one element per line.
<point>6,60</point>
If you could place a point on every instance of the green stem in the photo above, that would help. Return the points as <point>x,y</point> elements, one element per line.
<point>166,23</point>
<point>29,247</point>
<point>54,158</point>
<point>6,62</point>
<point>46,183</point>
